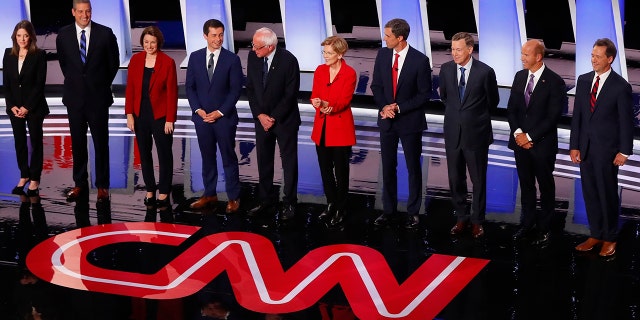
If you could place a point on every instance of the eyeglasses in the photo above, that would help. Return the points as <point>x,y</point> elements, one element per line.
<point>253,45</point>
<point>328,53</point>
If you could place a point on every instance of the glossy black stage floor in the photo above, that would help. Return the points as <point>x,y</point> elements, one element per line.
<point>519,280</point>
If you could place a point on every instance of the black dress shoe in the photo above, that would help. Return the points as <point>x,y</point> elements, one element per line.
<point>337,218</point>
<point>327,213</point>
<point>381,220</point>
<point>74,193</point>
<point>521,234</point>
<point>163,203</point>
<point>412,221</point>
<point>288,211</point>
<point>259,209</point>
<point>542,239</point>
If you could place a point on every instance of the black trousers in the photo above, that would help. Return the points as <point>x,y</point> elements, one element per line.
<point>95,118</point>
<point>334,170</point>
<point>28,169</point>
<point>287,139</point>
<point>147,130</point>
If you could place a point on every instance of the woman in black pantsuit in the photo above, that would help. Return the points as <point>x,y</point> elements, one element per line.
<point>24,75</point>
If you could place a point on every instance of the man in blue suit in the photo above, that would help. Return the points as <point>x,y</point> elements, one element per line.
<point>213,85</point>
<point>401,87</point>
<point>469,91</point>
<point>601,141</point>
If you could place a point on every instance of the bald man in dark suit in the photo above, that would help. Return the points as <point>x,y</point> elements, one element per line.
<point>469,91</point>
<point>601,141</point>
<point>537,98</point>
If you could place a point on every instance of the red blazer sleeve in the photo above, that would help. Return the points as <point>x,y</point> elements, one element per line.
<point>134,82</point>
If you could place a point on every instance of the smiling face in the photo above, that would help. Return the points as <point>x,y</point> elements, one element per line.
<point>22,38</point>
<point>330,55</point>
<point>531,60</point>
<point>214,38</point>
<point>82,13</point>
<point>460,52</point>
<point>150,44</point>
<point>599,60</point>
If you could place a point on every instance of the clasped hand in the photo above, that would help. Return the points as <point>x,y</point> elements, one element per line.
<point>19,112</point>
<point>389,111</point>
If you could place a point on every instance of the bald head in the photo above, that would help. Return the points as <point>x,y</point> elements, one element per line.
<point>531,55</point>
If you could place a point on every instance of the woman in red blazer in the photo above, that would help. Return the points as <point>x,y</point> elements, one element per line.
<point>151,107</point>
<point>333,129</point>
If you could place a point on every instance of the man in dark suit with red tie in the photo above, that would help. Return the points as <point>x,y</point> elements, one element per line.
<point>89,59</point>
<point>537,98</point>
<point>469,91</point>
<point>213,85</point>
<point>273,82</point>
<point>401,87</point>
<point>601,141</point>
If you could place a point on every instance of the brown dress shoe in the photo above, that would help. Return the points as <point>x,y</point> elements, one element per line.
<point>459,228</point>
<point>477,231</point>
<point>608,249</point>
<point>233,205</point>
<point>588,245</point>
<point>204,202</point>
<point>103,194</point>
<point>74,193</point>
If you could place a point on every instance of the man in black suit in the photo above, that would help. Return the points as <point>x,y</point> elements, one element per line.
<point>89,58</point>
<point>469,91</point>
<point>401,87</point>
<point>534,108</point>
<point>273,82</point>
<point>601,141</point>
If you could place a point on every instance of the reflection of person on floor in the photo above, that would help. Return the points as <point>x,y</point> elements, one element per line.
<point>214,309</point>
<point>34,298</point>
<point>213,85</point>
<point>333,131</point>
<point>24,74</point>
<point>601,141</point>
<point>151,107</point>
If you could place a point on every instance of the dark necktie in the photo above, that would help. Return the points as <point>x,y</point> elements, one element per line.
<point>394,75</point>
<point>594,93</point>
<point>265,71</point>
<point>83,47</point>
<point>462,83</point>
<point>529,90</point>
<point>210,67</point>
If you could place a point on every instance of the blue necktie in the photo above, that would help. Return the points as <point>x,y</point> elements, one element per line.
<point>265,71</point>
<point>210,67</point>
<point>462,83</point>
<point>83,47</point>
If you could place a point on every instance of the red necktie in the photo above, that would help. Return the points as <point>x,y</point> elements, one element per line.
<point>394,75</point>
<point>594,92</point>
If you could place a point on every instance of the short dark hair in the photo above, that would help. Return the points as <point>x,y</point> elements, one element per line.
<point>31,31</point>
<point>76,2</point>
<point>399,27</point>
<point>152,31</point>
<point>610,50</point>
<point>468,39</point>
<point>212,23</point>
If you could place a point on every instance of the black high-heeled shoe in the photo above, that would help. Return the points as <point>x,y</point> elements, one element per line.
<point>33,193</point>
<point>163,203</point>
<point>18,190</point>
<point>150,201</point>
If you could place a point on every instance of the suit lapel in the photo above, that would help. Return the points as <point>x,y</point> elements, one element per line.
<point>471,79</point>
<point>275,64</point>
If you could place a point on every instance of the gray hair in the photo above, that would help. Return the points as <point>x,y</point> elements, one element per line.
<point>267,36</point>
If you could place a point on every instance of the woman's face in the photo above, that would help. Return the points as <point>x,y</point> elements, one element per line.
<point>150,44</point>
<point>330,55</point>
<point>22,37</point>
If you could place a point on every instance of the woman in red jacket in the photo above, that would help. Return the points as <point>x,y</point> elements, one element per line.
<point>333,128</point>
<point>151,107</point>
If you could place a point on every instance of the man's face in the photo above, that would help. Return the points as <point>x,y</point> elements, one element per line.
<point>390,39</point>
<point>599,60</point>
<point>460,52</point>
<point>259,47</point>
<point>214,38</point>
<point>82,14</point>
<point>529,58</point>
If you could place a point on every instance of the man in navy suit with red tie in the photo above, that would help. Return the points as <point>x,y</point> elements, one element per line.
<point>537,98</point>
<point>469,91</point>
<point>601,141</point>
<point>213,85</point>
<point>401,87</point>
